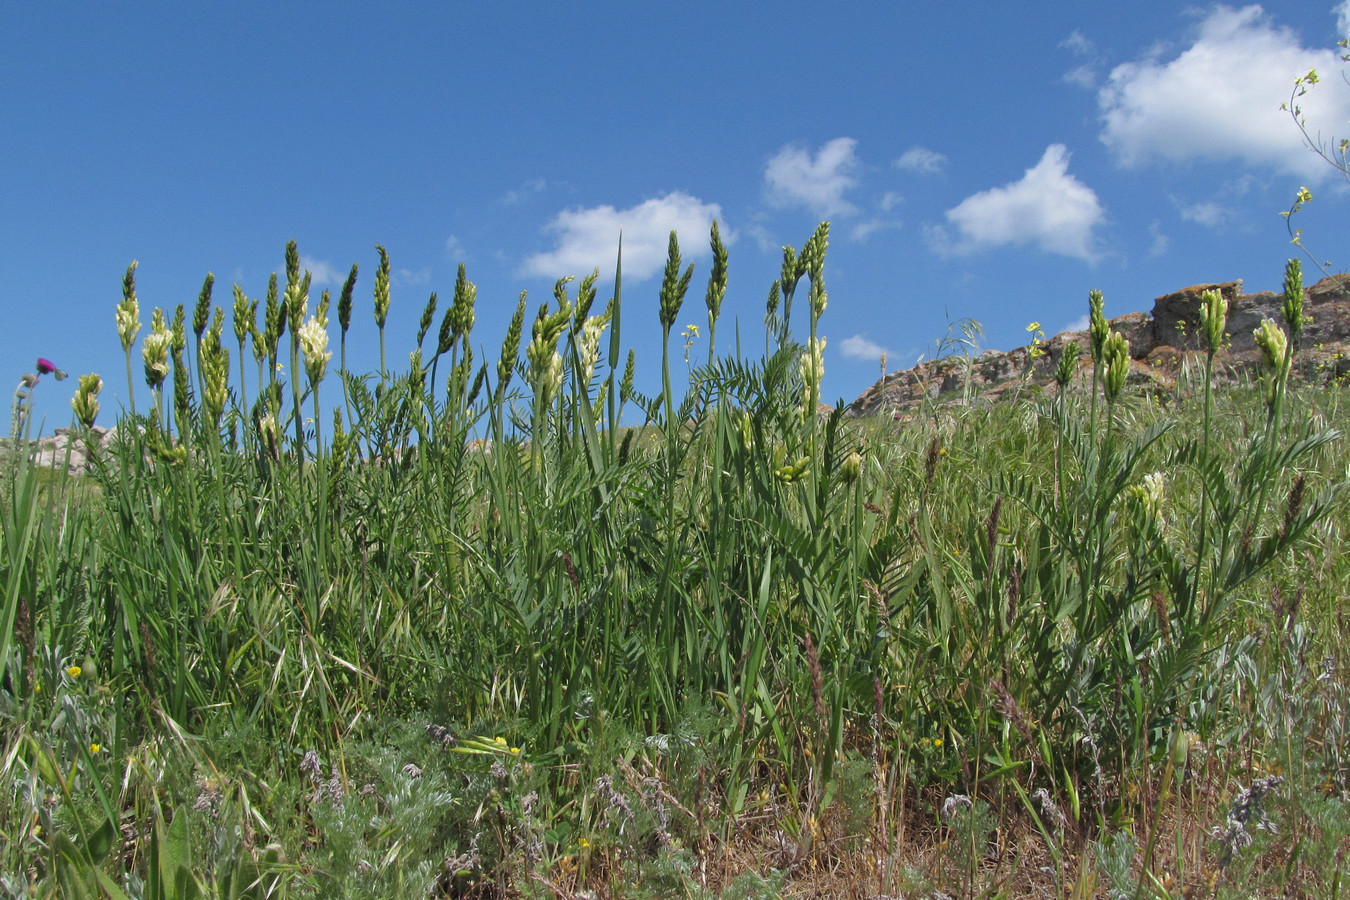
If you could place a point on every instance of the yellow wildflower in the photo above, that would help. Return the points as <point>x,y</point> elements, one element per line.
<point>95,748</point>
<point>73,671</point>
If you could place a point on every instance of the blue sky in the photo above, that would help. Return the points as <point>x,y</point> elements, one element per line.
<point>974,160</point>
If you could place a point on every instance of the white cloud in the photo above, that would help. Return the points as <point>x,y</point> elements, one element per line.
<point>859,347</point>
<point>1161,242</point>
<point>409,277</point>
<point>890,200</point>
<point>1082,323</point>
<point>795,178</point>
<point>1078,44</point>
<point>863,230</point>
<point>588,238</point>
<point>1220,98</point>
<point>1343,18</point>
<point>1209,213</point>
<point>763,238</point>
<point>921,160</point>
<point>1081,76</point>
<point>321,271</point>
<point>1048,207</point>
<point>524,192</point>
<point>454,249</point>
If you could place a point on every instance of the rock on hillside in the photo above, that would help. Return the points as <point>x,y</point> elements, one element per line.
<point>62,448</point>
<point>1161,345</point>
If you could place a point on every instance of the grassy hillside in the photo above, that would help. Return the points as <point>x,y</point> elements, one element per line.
<point>452,630</point>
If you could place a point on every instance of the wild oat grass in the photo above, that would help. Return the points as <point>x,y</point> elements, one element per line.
<point>545,636</point>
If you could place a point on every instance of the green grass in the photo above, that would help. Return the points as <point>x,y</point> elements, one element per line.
<point>481,638</point>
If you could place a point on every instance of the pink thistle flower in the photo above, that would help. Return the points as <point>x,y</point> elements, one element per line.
<point>47,367</point>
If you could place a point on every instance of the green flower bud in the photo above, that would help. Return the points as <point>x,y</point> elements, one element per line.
<point>345,301</point>
<point>202,312</point>
<point>382,288</point>
<point>1213,319</point>
<point>242,311</point>
<point>1099,328</point>
<point>673,285</point>
<point>1116,354</point>
<point>1274,345</point>
<point>85,401</point>
<point>428,313</point>
<point>155,350</point>
<point>717,281</point>
<point>851,467</point>
<point>506,365</point>
<point>1293,299</point>
<point>1068,364</point>
<point>128,311</point>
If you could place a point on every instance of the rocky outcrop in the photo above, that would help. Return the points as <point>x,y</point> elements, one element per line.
<point>64,448</point>
<point>1163,346</point>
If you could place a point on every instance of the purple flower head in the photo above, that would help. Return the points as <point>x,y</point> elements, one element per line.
<point>47,367</point>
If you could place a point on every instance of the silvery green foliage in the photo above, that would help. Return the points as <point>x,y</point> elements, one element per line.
<point>1114,857</point>
<point>1247,810</point>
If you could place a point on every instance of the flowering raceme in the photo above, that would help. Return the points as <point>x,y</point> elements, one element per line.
<point>155,350</point>
<point>589,346</point>
<point>812,371</point>
<point>314,344</point>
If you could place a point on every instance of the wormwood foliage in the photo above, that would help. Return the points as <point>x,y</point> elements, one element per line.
<point>499,633</point>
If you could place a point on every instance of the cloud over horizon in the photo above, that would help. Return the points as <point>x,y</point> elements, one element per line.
<point>1047,207</point>
<point>1220,98</point>
<point>793,177</point>
<point>588,237</point>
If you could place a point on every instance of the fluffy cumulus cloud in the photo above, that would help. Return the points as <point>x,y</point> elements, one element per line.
<point>922,160</point>
<point>795,177</point>
<point>859,347</point>
<point>588,237</point>
<point>1047,207</point>
<point>1220,97</point>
